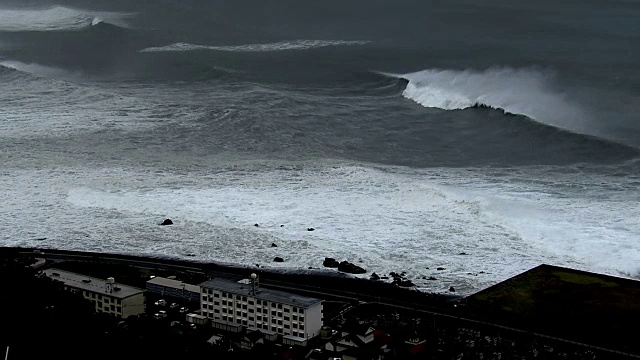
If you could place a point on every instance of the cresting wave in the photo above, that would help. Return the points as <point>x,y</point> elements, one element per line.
<point>57,18</point>
<point>34,69</point>
<point>525,92</point>
<point>278,46</point>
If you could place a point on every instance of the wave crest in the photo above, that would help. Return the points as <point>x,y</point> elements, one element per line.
<point>57,18</point>
<point>278,46</point>
<point>525,92</point>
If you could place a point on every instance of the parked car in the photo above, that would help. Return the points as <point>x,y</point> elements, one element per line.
<point>183,310</point>
<point>173,305</point>
<point>162,313</point>
<point>161,302</point>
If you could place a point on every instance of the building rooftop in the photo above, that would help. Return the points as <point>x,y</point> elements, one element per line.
<point>92,284</point>
<point>262,294</point>
<point>176,284</point>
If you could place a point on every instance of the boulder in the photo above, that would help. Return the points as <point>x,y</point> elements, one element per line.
<point>440,268</point>
<point>330,262</point>
<point>452,289</point>
<point>310,229</point>
<point>350,268</point>
<point>375,276</point>
<point>274,245</point>
<point>167,222</point>
<point>278,259</point>
<point>403,283</point>
<point>463,253</point>
<point>281,225</point>
<point>256,225</point>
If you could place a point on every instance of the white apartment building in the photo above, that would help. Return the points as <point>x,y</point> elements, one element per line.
<point>271,311</point>
<point>107,296</point>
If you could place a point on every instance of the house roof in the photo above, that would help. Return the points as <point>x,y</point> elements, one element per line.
<point>175,284</point>
<point>91,284</point>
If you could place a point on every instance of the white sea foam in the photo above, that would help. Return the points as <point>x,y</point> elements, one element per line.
<point>279,46</point>
<point>526,92</point>
<point>390,219</point>
<point>36,69</point>
<point>57,18</point>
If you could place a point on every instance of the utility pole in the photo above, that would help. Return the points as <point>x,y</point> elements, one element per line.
<point>6,354</point>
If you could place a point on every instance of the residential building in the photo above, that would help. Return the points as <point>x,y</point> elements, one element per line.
<point>270,311</point>
<point>107,296</point>
<point>174,288</point>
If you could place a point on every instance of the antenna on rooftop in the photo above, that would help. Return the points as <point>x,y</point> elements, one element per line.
<point>254,282</point>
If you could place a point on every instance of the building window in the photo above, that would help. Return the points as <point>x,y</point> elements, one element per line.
<point>250,302</point>
<point>113,308</point>
<point>204,297</point>
<point>244,298</point>
<point>286,318</point>
<point>251,318</point>
<point>295,326</point>
<point>217,311</point>
<point>301,318</point>
<point>266,327</point>
<point>280,313</point>
<point>301,327</point>
<point>286,326</point>
<point>273,328</point>
<point>295,309</point>
<point>259,302</point>
<point>224,317</point>
<point>210,307</point>
<point>216,303</point>
<point>251,311</point>
<point>216,295</point>
<point>224,302</point>
<point>279,322</point>
<point>295,317</point>
<point>238,321</point>
<point>279,331</point>
<point>279,306</point>
<point>286,310</point>
<point>244,306</point>
<point>273,313</point>
<point>238,313</point>
<point>224,310</point>
<point>238,297</point>
<point>273,321</point>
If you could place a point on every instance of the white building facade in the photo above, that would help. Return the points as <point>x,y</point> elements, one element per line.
<point>107,296</point>
<point>270,311</point>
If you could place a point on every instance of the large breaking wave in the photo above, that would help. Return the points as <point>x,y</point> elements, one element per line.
<point>527,92</point>
<point>57,18</point>
<point>278,46</point>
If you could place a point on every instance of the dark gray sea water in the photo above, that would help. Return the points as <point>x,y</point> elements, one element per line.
<point>404,132</point>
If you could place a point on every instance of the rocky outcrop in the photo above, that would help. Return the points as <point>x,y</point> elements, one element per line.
<point>274,245</point>
<point>452,289</point>
<point>374,276</point>
<point>167,222</point>
<point>330,262</point>
<point>440,269</point>
<point>350,268</point>
<point>278,259</point>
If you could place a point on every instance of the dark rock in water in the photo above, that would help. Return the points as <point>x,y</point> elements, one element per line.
<point>403,273</point>
<point>281,225</point>
<point>310,267</point>
<point>481,272</point>
<point>257,265</point>
<point>40,239</point>
<point>384,278</point>
<point>375,276</point>
<point>432,278</point>
<point>274,245</point>
<point>440,268</point>
<point>427,268</point>
<point>256,225</point>
<point>403,283</point>
<point>191,255</point>
<point>463,253</point>
<point>167,222</point>
<point>330,262</point>
<point>424,278</point>
<point>350,268</point>
<point>452,289</point>
<point>310,229</point>
<point>278,259</point>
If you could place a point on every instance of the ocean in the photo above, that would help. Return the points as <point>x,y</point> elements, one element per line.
<point>482,138</point>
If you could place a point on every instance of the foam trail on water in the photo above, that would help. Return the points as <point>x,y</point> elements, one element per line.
<point>57,18</point>
<point>278,46</point>
<point>34,69</point>
<point>525,92</point>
